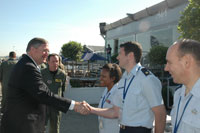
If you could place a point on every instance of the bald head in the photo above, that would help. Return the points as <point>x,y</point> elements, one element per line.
<point>183,58</point>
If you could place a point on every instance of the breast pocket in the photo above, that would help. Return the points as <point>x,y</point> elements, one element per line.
<point>192,116</point>
<point>136,99</point>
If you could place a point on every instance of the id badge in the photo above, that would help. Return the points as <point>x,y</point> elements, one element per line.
<point>100,124</point>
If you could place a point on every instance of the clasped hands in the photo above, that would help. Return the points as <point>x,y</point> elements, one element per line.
<point>82,107</point>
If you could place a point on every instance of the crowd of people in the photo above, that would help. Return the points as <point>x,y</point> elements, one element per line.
<point>131,102</point>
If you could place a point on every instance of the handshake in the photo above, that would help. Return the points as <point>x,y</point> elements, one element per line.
<point>83,108</point>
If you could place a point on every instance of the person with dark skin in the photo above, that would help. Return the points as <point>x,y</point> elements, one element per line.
<point>110,75</point>
<point>138,100</point>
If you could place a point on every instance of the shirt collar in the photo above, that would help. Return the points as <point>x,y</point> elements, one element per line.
<point>195,89</point>
<point>132,72</point>
<point>33,61</point>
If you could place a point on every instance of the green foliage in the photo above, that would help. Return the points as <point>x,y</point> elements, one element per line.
<point>164,95</point>
<point>189,23</point>
<point>157,54</point>
<point>114,58</point>
<point>75,83</point>
<point>72,50</point>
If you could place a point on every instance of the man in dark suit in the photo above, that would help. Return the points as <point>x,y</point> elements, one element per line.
<point>28,95</point>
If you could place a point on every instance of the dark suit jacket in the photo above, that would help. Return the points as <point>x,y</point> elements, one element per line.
<point>26,99</point>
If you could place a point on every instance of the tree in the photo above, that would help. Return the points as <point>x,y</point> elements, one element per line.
<point>157,54</point>
<point>189,23</point>
<point>72,50</point>
<point>157,57</point>
<point>114,58</point>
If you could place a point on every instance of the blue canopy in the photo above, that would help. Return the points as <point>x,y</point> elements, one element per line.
<point>65,59</point>
<point>92,56</point>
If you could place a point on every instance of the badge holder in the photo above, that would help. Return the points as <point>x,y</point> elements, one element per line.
<point>100,123</point>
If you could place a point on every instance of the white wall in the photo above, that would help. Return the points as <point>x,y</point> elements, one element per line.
<point>91,95</point>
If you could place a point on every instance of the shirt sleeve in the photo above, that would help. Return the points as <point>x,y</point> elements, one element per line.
<point>152,91</point>
<point>71,107</point>
<point>117,96</point>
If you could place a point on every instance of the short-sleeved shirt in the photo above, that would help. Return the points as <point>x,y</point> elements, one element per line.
<point>144,93</point>
<point>190,122</point>
<point>109,125</point>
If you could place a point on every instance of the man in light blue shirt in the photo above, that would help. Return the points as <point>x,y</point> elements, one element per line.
<point>138,100</point>
<point>183,62</point>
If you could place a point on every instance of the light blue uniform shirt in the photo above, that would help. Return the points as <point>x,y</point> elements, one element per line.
<point>190,122</point>
<point>109,125</point>
<point>143,94</point>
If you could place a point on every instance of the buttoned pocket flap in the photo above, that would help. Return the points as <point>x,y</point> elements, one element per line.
<point>192,116</point>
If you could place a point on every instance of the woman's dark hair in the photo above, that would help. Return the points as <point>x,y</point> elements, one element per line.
<point>114,71</point>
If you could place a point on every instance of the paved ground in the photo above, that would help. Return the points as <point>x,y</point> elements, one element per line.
<point>73,122</point>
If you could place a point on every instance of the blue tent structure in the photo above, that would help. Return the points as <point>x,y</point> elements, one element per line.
<point>89,56</point>
<point>65,59</point>
<point>92,57</point>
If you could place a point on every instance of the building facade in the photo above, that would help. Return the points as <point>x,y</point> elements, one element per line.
<point>156,25</point>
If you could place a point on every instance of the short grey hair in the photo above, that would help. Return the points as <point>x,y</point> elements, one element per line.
<point>35,42</point>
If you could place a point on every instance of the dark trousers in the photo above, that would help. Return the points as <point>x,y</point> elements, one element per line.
<point>135,130</point>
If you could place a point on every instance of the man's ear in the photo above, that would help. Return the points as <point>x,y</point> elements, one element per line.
<point>131,54</point>
<point>187,60</point>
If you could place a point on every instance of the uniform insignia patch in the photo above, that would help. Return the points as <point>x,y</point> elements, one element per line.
<point>145,71</point>
<point>108,101</point>
<point>58,80</point>
<point>194,111</point>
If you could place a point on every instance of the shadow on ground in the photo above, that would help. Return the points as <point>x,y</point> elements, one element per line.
<point>73,122</point>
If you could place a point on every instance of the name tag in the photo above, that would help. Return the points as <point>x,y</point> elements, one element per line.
<point>58,80</point>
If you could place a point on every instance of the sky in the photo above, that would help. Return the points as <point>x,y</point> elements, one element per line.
<point>60,21</point>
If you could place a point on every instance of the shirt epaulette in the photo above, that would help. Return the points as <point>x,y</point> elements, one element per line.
<point>145,71</point>
<point>120,87</point>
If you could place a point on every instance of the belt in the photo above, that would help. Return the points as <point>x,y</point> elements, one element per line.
<point>126,127</point>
